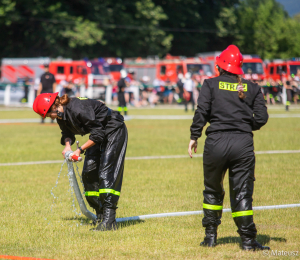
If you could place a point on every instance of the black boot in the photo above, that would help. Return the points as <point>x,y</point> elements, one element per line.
<point>109,221</point>
<point>251,244</point>
<point>210,239</point>
<point>98,219</point>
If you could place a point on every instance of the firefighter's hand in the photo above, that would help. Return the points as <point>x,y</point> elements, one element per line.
<point>77,153</point>
<point>192,144</point>
<point>67,148</point>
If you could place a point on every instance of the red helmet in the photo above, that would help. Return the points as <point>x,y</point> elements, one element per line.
<point>43,102</point>
<point>231,60</point>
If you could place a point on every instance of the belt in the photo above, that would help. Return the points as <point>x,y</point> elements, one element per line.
<point>110,115</point>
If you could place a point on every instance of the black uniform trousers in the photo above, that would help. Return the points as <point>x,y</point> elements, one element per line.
<point>103,168</point>
<point>122,102</point>
<point>233,151</point>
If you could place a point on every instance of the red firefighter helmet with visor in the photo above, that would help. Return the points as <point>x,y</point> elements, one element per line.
<point>231,60</point>
<point>43,102</point>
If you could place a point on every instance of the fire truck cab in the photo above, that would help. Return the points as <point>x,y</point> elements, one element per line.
<point>279,69</point>
<point>80,72</point>
<point>115,65</point>
<point>168,69</point>
<point>68,70</point>
<point>254,68</point>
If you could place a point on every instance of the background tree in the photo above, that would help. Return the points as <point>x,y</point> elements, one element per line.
<point>101,28</point>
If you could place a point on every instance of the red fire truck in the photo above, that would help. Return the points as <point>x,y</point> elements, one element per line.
<point>280,69</point>
<point>80,72</point>
<point>14,70</point>
<point>253,65</point>
<point>115,65</point>
<point>167,69</point>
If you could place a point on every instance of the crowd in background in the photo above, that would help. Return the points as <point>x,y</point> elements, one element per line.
<point>184,91</point>
<point>141,92</point>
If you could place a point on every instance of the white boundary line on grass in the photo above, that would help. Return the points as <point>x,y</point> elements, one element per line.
<point>149,157</point>
<point>186,213</point>
<point>139,117</point>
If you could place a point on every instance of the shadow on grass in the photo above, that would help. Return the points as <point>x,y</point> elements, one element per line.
<point>86,221</point>
<point>130,223</point>
<point>263,239</point>
<point>83,220</point>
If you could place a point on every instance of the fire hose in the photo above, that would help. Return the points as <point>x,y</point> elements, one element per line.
<point>74,183</point>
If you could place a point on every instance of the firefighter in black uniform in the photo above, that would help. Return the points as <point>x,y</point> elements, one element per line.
<point>234,107</point>
<point>105,150</point>
<point>47,84</point>
<point>121,95</point>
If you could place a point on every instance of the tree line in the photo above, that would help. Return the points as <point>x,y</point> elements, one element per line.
<point>124,28</point>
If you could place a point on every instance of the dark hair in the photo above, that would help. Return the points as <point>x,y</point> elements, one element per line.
<point>238,78</point>
<point>63,100</point>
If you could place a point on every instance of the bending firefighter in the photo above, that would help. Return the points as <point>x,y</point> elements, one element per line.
<point>104,151</point>
<point>234,107</point>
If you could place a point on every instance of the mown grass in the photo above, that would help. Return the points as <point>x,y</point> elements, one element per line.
<point>28,226</point>
<point>15,113</point>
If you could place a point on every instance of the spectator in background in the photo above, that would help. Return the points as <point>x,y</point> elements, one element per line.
<point>188,91</point>
<point>267,90</point>
<point>129,89</point>
<point>296,90</point>
<point>198,87</point>
<point>114,84</point>
<point>121,95</point>
<point>26,85</point>
<point>168,92</point>
<point>273,91</point>
<point>179,89</point>
<point>68,88</point>
<point>47,84</point>
<point>159,88</point>
<point>144,90</point>
<point>289,89</point>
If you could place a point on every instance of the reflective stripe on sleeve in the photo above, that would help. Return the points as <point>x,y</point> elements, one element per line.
<point>91,193</point>
<point>242,213</point>
<point>109,191</point>
<point>212,207</point>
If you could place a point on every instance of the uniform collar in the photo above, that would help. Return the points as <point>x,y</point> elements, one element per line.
<point>230,76</point>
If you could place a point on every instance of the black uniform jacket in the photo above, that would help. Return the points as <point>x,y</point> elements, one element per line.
<point>87,116</point>
<point>219,104</point>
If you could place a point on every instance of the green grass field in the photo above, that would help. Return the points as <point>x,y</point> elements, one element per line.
<point>34,224</point>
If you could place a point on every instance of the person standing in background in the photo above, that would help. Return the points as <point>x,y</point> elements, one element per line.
<point>188,91</point>
<point>47,84</point>
<point>179,88</point>
<point>26,85</point>
<point>289,93</point>
<point>121,95</point>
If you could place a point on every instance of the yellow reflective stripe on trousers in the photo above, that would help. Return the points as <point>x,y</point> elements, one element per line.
<point>242,213</point>
<point>91,193</point>
<point>212,207</point>
<point>109,191</point>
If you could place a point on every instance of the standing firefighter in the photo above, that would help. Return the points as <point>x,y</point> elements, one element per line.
<point>234,107</point>
<point>105,150</point>
<point>121,95</point>
<point>47,84</point>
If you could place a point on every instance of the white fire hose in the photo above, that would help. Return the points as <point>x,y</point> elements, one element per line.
<point>73,181</point>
